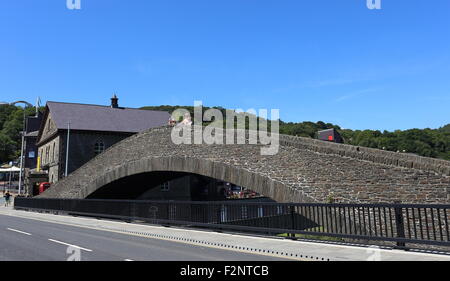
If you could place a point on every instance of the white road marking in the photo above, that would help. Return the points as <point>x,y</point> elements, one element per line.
<point>15,230</point>
<point>128,260</point>
<point>75,246</point>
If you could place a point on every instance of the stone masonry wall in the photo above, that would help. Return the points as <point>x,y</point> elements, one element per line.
<point>304,170</point>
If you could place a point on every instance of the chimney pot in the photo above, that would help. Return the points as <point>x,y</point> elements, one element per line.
<point>114,102</point>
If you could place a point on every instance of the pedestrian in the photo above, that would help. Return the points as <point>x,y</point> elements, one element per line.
<point>7,198</point>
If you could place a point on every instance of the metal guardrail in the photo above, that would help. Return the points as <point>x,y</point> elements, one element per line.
<point>400,223</point>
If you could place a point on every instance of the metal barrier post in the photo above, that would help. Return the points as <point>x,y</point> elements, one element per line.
<point>400,225</point>
<point>292,210</point>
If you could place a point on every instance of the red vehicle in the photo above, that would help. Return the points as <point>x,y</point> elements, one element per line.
<point>43,187</point>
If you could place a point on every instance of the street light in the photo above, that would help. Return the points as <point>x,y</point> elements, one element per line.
<point>23,138</point>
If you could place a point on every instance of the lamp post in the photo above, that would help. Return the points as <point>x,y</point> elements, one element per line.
<point>23,139</point>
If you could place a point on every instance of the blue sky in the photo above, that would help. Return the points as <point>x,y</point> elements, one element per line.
<point>329,60</point>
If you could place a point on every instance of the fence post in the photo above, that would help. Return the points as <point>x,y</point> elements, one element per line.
<point>398,210</point>
<point>292,210</point>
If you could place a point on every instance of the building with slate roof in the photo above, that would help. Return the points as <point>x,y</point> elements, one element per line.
<point>92,129</point>
<point>330,135</point>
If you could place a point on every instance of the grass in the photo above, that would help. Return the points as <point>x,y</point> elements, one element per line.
<point>312,237</point>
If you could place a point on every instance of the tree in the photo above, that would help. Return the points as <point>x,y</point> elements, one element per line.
<point>11,124</point>
<point>7,148</point>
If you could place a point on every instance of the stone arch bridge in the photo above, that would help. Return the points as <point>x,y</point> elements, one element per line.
<point>304,170</point>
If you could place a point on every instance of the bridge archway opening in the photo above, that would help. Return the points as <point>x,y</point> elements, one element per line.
<point>170,185</point>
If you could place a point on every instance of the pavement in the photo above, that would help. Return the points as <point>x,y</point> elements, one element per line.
<point>42,236</point>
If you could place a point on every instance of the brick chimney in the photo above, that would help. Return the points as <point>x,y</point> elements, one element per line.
<point>114,102</point>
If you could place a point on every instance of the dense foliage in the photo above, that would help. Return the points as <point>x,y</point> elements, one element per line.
<point>11,124</point>
<point>427,142</point>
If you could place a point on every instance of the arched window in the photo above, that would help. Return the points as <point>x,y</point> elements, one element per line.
<point>53,152</point>
<point>165,186</point>
<point>47,150</point>
<point>99,147</point>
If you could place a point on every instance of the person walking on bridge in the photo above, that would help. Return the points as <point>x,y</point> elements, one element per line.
<point>7,198</point>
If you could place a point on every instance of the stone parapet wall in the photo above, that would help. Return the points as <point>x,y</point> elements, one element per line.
<point>369,154</point>
<point>304,170</point>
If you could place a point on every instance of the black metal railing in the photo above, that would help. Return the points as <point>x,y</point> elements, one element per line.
<point>399,223</point>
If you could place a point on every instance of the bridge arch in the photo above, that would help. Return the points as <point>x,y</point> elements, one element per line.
<point>304,170</point>
<point>188,165</point>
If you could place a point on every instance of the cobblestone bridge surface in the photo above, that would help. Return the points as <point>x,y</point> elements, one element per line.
<point>304,170</point>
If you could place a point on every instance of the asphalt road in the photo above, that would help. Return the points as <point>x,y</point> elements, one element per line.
<point>31,240</point>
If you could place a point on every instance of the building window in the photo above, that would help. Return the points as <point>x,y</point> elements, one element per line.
<point>99,147</point>
<point>47,150</point>
<point>244,212</point>
<point>53,152</point>
<point>279,210</point>
<point>165,186</point>
<point>260,212</point>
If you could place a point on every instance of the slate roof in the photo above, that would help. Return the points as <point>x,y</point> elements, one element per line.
<point>105,118</point>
